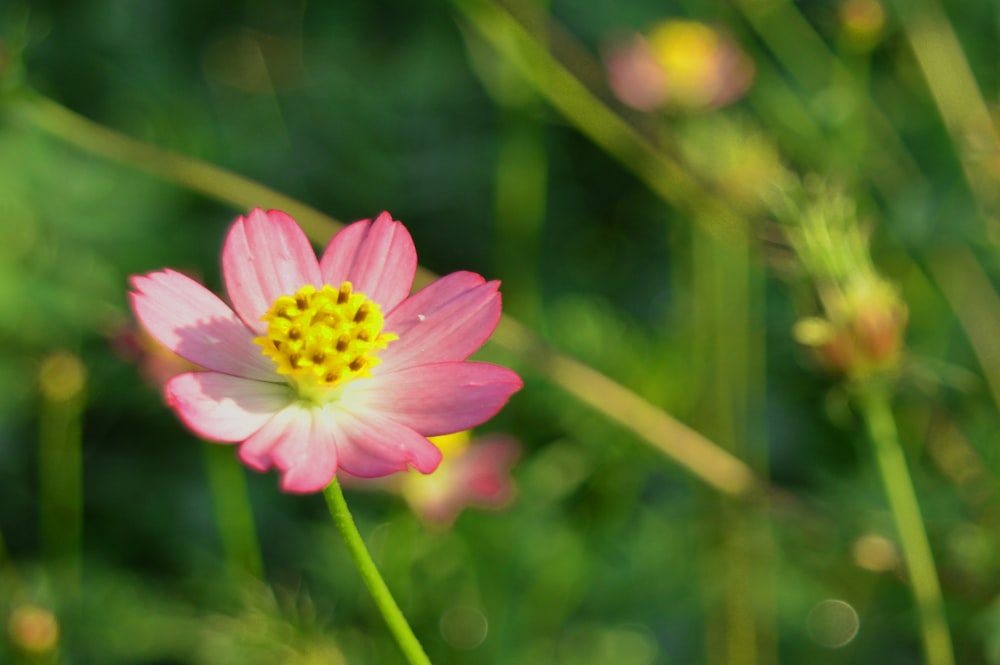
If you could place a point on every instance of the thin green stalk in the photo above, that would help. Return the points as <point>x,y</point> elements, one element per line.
<point>522,46</point>
<point>719,311</point>
<point>521,183</point>
<point>62,387</point>
<point>726,299</point>
<point>803,54</point>
<point>874,402</point>
<point>952,85</point>
<point>233,513</point>
<point>380,593</point>
<point>213,181</point>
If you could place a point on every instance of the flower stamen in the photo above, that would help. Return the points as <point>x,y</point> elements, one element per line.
<point>321,338</point>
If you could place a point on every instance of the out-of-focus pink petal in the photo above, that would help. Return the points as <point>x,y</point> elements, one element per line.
<point>378,258</point>
<point>485,469</point>
<point>194,323</point>
<point>634,74</point>
<point>377,446</point>
<point>445,321</point>
<point>436,399</point>
<point>479,476</point>
<point>266,255</point>
<point>301,443</point>
<point>223,407</point>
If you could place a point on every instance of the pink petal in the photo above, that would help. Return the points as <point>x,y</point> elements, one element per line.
<point>301,442</point>
<point>266,255</point>
<point>378,258</point>
<point>479,476</point>
<point>195,324</point>
<point>635,76</point>
<point>437,399</point>
<point>448,320</point>
<point>377,446</point>
<point>223,407</point>
<point>485,469</point>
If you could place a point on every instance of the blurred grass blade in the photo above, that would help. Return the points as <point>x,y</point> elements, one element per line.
<point>703,458</point>
<point>496,24</point>
<point>953,87</point>
<point>727,294</point>
<point>521,193</point>
<point>62,384</point>
<point>803,53</point>
<point>792,40</point>
<point>216,183</point>
<point>971,296</point>
<point>694,452</point>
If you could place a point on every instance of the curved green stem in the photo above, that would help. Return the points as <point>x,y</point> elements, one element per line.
<point>393,616</point>
<point>909,523</point>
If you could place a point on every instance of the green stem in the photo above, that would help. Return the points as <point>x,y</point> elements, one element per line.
<point>521,183</point>
<point>233,512</point>
<point>62,384</point>
<point>909,523</point>
<point>393,616</point>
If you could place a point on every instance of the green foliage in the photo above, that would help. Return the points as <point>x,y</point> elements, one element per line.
<point>612,553</point>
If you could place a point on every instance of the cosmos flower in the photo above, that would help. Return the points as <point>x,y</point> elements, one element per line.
<point>327,364</point>
<point>678,65</point>
<point>473,473</point>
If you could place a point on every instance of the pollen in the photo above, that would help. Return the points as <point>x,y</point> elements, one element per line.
<point>321,338</point>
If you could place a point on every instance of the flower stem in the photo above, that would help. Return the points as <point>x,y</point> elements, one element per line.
<point>62,381</point>
<point>881,426</point>
<point>393,616</point>
<point>233,512</point>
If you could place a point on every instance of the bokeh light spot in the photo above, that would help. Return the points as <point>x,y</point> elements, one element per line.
<point>875,553</point>
<point>33,629</point>
<point>464,627</point>
<point>62,377</point>
<point>832,623</point>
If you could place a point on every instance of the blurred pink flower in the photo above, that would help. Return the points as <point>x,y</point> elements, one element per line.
<point>683,65</point>
<point>327,364</point>
<point>157,364</point>
<point>634,75</point>
<point>473,473</point>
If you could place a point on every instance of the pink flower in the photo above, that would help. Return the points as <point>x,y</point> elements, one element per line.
<point>678,65</point>
<point>329,364</point>
<point>472,473</point>
<point>634,75</point>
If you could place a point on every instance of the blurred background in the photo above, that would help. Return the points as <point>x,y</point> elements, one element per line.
<point>744,216</point>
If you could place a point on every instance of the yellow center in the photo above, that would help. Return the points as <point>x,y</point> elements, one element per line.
<point>322,338</point>
<point>452,445</point>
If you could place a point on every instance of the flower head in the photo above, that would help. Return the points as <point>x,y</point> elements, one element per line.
<point>327,364</point>
<point>860,332</point>
<point>679,65</point>
<point>473,472</point>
